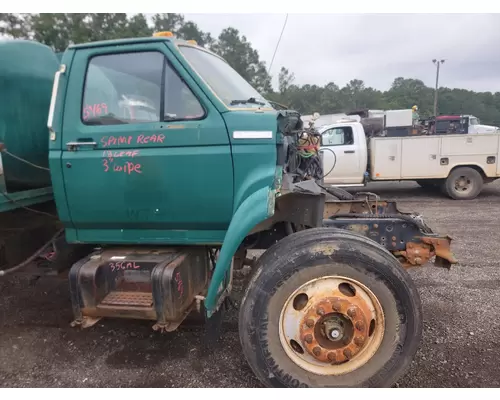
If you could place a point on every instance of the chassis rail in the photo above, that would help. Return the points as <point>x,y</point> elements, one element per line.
<point>405,235</point>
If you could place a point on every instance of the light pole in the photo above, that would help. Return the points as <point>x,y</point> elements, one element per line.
<point>437,63</point>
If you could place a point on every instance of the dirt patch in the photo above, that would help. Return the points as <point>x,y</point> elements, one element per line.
<point>460,347</point>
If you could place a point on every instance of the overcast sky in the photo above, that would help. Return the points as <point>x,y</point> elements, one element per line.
<point>376,48</point>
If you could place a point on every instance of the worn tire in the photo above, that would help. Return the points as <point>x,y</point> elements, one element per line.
<point>298,259</point>
<point>473,176</point>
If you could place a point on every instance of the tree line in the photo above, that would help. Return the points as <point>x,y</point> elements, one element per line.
<point>60,30</point>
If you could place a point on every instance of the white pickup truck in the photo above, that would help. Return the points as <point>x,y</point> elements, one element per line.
<point>458,164</point>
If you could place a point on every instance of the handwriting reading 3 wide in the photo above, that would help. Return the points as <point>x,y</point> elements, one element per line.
<point>107,141</point>
<point>112,161</point>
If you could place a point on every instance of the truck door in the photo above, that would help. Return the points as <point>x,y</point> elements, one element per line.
<point>341,156</point>
<point>145,157</point>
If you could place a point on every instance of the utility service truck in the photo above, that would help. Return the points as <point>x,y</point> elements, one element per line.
<point>160,169</point>
<point>459,164</point>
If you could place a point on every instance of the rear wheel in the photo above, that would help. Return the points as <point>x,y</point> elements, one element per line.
<point>463,183</point>
<point>329,308</point>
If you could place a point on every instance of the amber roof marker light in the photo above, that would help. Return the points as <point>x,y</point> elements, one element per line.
<point>163,34</point>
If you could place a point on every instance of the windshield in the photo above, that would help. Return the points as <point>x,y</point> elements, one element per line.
<point>474,121</point>
<point>227,84</point>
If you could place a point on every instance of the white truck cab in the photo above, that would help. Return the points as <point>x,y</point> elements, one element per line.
<point>475,126</point>
<point>345,154</point>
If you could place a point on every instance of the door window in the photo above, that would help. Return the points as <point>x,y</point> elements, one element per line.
<point>123,88</point>
<point>180,102</point>
<point>134,88</point>
<point>338,136</point>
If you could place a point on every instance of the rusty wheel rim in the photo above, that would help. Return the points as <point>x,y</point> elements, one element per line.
<point>331,325</point>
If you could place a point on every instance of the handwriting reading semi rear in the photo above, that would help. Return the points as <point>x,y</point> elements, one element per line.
<point>107,141</point>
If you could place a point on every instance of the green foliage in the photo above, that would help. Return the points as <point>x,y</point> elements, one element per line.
<point>403,93</point>
<point>238,52</point>
<point>60,30</point>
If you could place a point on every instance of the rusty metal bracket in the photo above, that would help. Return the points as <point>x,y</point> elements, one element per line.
<point>441,247</point>
<point>417,254</point>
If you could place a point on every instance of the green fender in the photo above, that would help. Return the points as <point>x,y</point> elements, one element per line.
<point>255,208</point>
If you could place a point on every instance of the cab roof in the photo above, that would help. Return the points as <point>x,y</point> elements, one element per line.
<point>119,42</point>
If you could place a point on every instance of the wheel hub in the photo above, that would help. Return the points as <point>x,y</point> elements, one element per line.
<point>334,330</point>
<point>462,183</point>
<point>331,325</point>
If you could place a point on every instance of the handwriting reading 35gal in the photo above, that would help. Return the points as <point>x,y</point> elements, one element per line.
<point>123,265</point>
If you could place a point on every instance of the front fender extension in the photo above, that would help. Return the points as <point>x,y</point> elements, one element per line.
<point>255,208</point>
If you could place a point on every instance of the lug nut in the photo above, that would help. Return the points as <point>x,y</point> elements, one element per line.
<point>360,326</point>
<point>351,312</point>
<point>320,311</point>
<point>310,323</point>
<point>347,353</point>
<point>308,338</point>
<point>332,356</point>
<point>336,305</point>
<point>317,351</point>
<point>359,341</point>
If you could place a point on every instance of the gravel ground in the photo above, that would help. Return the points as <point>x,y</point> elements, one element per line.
<point>460,347</point>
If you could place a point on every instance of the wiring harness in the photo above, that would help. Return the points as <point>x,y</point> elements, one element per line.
<point>307,148</point>
<point>304,158</point>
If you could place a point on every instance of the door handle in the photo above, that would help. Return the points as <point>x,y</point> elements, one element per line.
<point>72,146</point>
<point>348,151</point>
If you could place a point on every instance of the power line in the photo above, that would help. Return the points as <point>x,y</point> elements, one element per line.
<point>277,44</point>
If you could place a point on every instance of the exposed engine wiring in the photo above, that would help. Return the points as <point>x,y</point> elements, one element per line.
<point>307,149</point>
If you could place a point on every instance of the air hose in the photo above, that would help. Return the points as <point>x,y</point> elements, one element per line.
<point>32,257</point>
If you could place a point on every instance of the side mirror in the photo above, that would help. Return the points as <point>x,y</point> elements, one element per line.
<point>315,116</point>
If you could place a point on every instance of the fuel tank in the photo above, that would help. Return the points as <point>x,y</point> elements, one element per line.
<point>139,283</point>
<point>27,72</point>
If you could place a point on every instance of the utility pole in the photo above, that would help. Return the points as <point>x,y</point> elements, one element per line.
<point>437,63</point>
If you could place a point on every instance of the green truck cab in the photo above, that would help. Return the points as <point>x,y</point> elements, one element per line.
<point>168,168</point>
<point>144,150</point>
